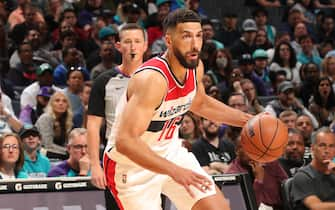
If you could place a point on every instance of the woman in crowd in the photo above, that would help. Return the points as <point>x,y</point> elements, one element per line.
<point>322,103</point>
<point>55,125</point>
<point>328,68</point>
<point>11,157</point>
<point>249,90</point>
<point>285,59</point>
<point>189,129</point>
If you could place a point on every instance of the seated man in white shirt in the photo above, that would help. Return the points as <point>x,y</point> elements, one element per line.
<point>8,120</point>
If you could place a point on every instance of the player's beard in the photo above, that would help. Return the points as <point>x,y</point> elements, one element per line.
<point>182,60</point>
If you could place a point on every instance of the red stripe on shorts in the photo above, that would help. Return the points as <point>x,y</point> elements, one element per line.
<point>109,166</point>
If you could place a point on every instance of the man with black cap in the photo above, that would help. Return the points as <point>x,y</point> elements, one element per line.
<point>287,101</point>
<point>36,165</point>
<point>246,43</point>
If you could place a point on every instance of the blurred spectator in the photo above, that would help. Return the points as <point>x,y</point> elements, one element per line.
<point>266,178</point>
<point>247,66</point>
<point>71,59</point>
<point>107,59</point>
<point>55,125</point>
<point>261,40</point>
<point>263,3</point>
<point>285,59</point>
<point>234,84</point>
<point>5,46</point>
<point>68,21</point>
<point>300,30</point>
<point>238,101</point>
<point>207,54</point>
<point>8,120</point>
<point>328,68</point>
<point>309,74</point>
<point>29,114</point>
<point>91,10</point>
<point>294,17</point>
<point>84,97</point>
<point>249,90</point>
<point>325,47</point>
<point>213,153</point>
<point>288,101</point>
<point>39,55</point>
<point>293,157</point>
<point>305,125</point>
<point>35,164</point>
<point>24,73</point>
<point>229,32</point>
<point>11,157</point>
<point>260,58</point>
<point>209,33</point>
<point>189,129</point>
<point>246,44</point>
<point>132,14</point>
<point>194,5</point>
<point>75,85</point>
<point>326,31</point>
<point>261,16</point>
<point>67,39</point>
<point>208,81</point>
<point>31,18</point>
<point>45,36</point>
<point>221,67</point>
<point>154,21</point>
<point>44,78</point>
<point>288,117</point>
<point>307,7</point>
<point>307,56</point>
<point>106,34</point>
<point>24,12</point>
<point>322,102</point>
<point>78,162</point>
<point>313,185</point>
<point>281,36</point>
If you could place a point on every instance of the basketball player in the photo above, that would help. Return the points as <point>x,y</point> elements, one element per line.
<point>107,89</point>
<point>144,156</point>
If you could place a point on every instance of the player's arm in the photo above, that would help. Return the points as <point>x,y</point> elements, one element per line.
<point>213,109</point>
<point>314,203</point>
<point>146,91</point>
<point>95,117</point>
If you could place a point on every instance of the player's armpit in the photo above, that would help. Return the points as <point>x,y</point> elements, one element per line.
<point>146,91</point>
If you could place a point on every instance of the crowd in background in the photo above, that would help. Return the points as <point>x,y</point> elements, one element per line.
<point>51,51</point>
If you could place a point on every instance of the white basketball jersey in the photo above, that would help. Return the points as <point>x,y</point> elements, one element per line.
<point>162,133</point>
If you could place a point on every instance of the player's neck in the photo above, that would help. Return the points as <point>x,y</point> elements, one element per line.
<point>128,68</point>
<point>177,69</point>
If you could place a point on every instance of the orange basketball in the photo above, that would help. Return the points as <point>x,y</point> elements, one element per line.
<point>264,138</point>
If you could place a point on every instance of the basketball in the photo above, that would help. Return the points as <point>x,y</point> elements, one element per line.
<point>264,138</point>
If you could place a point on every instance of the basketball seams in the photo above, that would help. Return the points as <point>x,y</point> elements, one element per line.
<point>255,145</point>
<point>261,136</point>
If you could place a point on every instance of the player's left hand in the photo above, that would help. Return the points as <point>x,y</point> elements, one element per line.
<point>189,178</point>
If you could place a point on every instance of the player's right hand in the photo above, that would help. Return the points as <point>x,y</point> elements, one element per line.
<point>98,177</point>
<point>188,178</point>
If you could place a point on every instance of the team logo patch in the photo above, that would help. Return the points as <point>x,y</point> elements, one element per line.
<point>124,178</point>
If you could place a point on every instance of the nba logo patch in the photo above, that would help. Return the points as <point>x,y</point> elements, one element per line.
<point>124,178</point>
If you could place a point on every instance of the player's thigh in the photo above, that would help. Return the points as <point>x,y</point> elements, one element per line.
<point>133,188</point>
<point>177,193</point>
